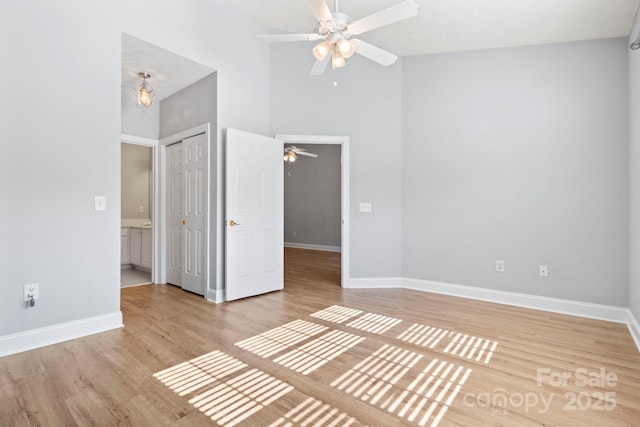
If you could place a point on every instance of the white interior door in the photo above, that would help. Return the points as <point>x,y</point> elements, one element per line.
<point>186,213</point>
<point>195,213</point>
<point>175,212</point>
<point>254,215</point>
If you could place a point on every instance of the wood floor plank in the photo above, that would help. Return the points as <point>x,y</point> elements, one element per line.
<point>182,361</point>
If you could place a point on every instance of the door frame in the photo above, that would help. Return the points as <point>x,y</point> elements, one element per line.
<point>161,245</point>
<point>345,235</point>
<point>155,193</point>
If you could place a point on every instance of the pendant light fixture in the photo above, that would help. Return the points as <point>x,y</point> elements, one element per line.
<point>635,45</point>
<point>145,96</point>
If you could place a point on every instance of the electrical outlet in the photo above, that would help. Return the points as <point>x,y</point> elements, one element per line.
<point>32,289</point>
<point>295,234</point>
<point>141,209</point>
<point>500,266</point>
<point>544,271</point>
<point>365,207</point>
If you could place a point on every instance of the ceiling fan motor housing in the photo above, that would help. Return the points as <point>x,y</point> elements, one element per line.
<point>337,27</point>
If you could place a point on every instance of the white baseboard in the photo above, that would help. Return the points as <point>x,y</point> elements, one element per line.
<point>369,283</point>
<point>634,329</point>
<point>40,337</point>
<point>555,305</point>
<point>216,296</point>
<point>312,247</point>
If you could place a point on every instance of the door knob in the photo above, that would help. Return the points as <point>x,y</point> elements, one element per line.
<point>184,222</point>
<point>232,223</point>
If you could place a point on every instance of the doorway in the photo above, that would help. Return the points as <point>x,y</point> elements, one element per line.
<point>136,232</point>
<point>304,236</point>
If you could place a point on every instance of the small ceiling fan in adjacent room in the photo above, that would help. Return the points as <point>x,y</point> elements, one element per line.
<point>335,29</point>
<point>291,153</point>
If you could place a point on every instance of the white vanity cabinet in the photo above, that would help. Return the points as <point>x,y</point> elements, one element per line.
<point>140,247</point>
<point>124,246</point>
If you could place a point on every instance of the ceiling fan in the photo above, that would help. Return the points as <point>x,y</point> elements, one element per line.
<point>335,29</point>
<point>291,153</point>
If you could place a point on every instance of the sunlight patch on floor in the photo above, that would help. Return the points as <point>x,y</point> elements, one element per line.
<point>423,335</point>
<point>236,399</point>
<point>233,391</point>
<point>472,348</point>
<point>382,380</point>
<point>409,384</point>
<point>279,339</point>
<point>374,323</point>
<point>316,353</point>
<point>315,413</point>
<point>196,373</point>
<point>455,343</point>
<point>336,314</point>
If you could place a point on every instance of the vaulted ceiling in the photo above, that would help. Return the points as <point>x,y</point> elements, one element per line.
<point>457,25</point>
<point>440,26</point>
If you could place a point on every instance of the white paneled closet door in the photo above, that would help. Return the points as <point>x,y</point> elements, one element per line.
<point>175,212</point>
<point>195,211</point>
<point>186,213</point>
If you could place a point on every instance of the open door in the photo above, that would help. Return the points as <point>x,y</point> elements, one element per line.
<point>254,215</point>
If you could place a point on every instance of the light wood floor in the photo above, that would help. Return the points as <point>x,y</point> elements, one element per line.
<point>315,354</point>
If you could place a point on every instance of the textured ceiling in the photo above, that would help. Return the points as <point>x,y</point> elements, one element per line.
<point>169,72</point>
<point>440,26</point>
<point>457,25</point>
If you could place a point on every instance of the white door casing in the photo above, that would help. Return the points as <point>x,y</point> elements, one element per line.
<point>345,174</point>
<point>157,231</point>
<point>254,202</point>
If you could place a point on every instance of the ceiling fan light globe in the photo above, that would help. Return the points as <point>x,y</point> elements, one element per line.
<point>346,48</point>
<point>321,50</point>
<point>290,156</point>
<point>337,60</point>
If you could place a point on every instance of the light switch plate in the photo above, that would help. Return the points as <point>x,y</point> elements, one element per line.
<point>365,207</point>
<point>100,203</point>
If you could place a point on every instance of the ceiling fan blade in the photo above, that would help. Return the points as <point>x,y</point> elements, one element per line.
<point>319,66</point>
<point>374,53</point>
<point>320,10</point>
<point>304,153</point>
<point>277,38</point>
<point>387,16</point>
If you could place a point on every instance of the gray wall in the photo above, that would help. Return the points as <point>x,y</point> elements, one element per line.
<point>519,155</point>
<point>135,181</point>
<point>61,51</point>
<point>312,197</point>
<point>193,106</point>
<point>366,106</point>
<point>634,173</point>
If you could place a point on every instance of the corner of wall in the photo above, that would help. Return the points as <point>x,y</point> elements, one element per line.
<point>634,329</point>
